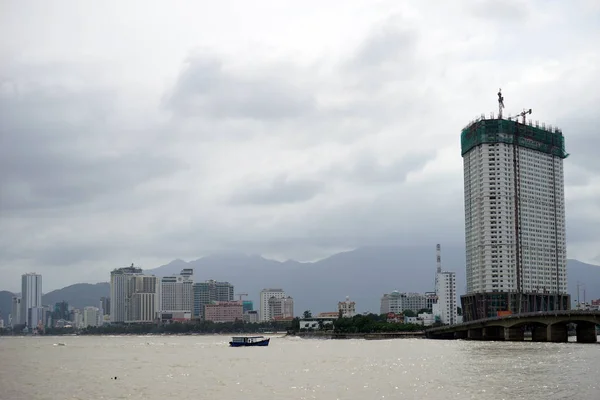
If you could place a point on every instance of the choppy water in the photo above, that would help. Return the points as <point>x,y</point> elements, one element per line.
<point>204,367</point>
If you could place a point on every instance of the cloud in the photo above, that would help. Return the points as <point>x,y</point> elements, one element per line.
<point>294,136</point>
<point>205,88</point>
<point>279,190</point>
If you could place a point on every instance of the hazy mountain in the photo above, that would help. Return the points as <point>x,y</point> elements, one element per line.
<point>79,295</point>
<point>5,305</point>
<point>364,274</point>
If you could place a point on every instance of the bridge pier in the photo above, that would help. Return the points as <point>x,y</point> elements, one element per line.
<point>539,334</point>
<point>586,332</point>
<point>461,335</point>
<point>514,334</point>
<point>475,334</point>
<point>493,333</point>
<point>557,333</point>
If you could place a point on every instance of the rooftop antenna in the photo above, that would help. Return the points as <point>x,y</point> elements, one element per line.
<point>500,103</point>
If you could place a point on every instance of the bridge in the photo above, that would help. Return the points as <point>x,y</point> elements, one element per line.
<point>545,326</point>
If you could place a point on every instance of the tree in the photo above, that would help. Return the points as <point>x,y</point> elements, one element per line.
<point>307,314</point>
<point>409,313</point>
<point>425,310</point>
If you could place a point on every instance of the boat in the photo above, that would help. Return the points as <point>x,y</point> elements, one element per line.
<point>245,341</point>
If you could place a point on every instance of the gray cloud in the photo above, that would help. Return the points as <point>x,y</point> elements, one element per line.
<point>289,145</point>
<point>279,190</point>
<point>206,89</point>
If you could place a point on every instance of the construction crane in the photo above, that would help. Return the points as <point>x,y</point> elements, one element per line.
<point>242,294</point>
<point>500,103</point>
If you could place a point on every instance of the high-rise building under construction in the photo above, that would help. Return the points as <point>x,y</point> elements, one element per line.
<point>514,217</point>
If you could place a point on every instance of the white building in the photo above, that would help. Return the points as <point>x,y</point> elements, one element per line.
<point>397,302</point>
<point>265,295</point>
<point>514,218</point>
<point>176,293</point>
<point>31,298</point>
<point>347,308</point>
<point>446,293</point>
<point>15,313</point>
<point>91,316</point>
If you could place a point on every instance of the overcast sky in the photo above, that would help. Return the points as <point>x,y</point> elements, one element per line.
<point>138,132</point>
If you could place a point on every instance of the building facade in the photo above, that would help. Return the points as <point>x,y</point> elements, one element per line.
<point>119,292</point>
<point>210,291</point>
<point>514,218</point>
<point>280,308</point>
<point>15,312</point>
<point>224,311</point>
<point>142,300</point>
<point>31,299</point>
<point>347,308</point>
<point>91,316</point>
<point>133,296</point>
<point>265,295</point>
<point>446,297</point>
<point>397,302</point>
<point>176,294</point>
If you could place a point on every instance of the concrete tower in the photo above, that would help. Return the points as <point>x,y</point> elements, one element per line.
<point>514,217</point>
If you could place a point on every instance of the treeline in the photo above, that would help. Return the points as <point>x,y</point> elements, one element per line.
<point>370,323</point>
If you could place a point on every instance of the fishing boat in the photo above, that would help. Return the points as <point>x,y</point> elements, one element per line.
<point>244,341</point>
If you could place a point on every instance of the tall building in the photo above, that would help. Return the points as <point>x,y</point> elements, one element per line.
<point>141,301</point>
<point>133,296</point>
<point>119,291</point>
<point>15,312</point>
<point>31,299</point>
<point>91,316</point>
<point>176,295</point>
<point>514,217</point>
<point>265,295</point>
<point>446,297</point>
<point>209,291</point>
<point>105,305</point>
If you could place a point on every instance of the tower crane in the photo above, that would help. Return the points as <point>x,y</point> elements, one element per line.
<point>242,294</point>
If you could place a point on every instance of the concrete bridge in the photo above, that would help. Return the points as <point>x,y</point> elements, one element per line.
<point>546,326</point>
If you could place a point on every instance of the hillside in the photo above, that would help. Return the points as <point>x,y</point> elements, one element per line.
<point>79,295</point>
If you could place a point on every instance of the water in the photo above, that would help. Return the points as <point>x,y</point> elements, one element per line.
<point>204,367</point>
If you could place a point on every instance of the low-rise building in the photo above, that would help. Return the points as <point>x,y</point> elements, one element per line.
<point>250,317</point>
<point>224,311</point>
<point>347,308</point>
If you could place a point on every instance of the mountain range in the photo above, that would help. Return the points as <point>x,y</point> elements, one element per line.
<point>364,275</point>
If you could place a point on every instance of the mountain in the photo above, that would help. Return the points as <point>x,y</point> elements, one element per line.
<point>79,295</point>
<point>5,305</point>
<point>364,274</point>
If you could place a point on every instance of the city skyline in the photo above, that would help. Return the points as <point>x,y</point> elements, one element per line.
<point>298,147</point>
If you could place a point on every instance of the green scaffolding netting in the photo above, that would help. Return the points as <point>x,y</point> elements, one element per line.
<point>505,131</point>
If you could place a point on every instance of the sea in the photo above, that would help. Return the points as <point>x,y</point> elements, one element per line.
<point>205,367</point>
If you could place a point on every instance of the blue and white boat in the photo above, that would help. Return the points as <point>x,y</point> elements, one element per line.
<point>245,341</point>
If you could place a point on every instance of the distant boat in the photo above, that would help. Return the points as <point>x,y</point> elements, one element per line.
<point>244,341</point>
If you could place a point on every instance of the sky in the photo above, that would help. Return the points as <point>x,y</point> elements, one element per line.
<point>140,131</point>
